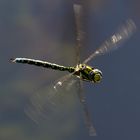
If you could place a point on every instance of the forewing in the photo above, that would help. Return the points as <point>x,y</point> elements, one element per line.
<point>116,40</point>
<point>78,13</point>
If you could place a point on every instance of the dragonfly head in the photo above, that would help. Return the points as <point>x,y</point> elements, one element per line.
<point>96,75</point>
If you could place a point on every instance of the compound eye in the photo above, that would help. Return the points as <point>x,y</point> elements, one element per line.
<point>97,78</point>
<point>97,75</point>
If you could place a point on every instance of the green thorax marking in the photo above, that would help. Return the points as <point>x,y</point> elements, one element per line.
<point>83,71</point>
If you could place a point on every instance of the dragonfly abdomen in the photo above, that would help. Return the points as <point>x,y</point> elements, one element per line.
<point>43,64</point>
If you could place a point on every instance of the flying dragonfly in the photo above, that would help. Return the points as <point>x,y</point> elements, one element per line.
<point>83,71</point>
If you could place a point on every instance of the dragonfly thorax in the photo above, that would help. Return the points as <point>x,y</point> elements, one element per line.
<point>88,73</point>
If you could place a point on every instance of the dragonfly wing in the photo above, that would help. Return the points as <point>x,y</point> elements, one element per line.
<point>64,80</point>
<point>78,12</point>
<point>88,122</point>
<point>49,101</point>
<point>116,40</point>
<point>41,104</point>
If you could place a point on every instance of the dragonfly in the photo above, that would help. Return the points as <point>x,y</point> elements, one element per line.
<point>82,71</point>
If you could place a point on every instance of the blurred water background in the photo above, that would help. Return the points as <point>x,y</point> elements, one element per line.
<point>45,29</point>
